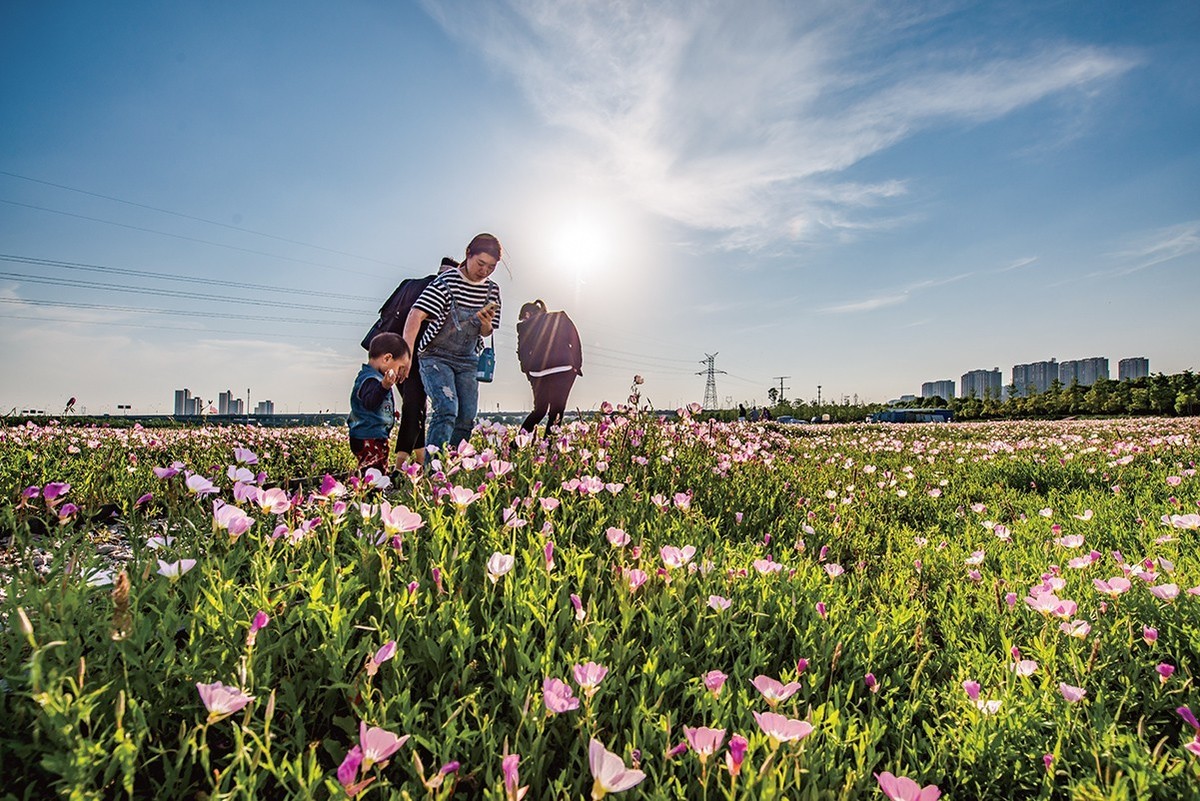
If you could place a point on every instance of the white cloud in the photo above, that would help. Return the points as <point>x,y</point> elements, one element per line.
<point>1018,264</point>
<point>1158,247</point>
<point>870,304</point>
<point>739,118</point>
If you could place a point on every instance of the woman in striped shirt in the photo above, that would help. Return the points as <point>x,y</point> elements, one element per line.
<point>463,307</point>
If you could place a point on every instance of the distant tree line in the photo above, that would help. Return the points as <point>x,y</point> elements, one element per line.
<point>1175,395</point>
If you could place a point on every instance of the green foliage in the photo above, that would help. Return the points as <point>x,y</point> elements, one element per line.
<point>100,690</point>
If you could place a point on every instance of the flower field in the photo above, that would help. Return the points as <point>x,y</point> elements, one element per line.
<point>651,608</point>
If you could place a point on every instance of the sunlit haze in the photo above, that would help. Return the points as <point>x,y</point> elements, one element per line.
<point>864,196</point>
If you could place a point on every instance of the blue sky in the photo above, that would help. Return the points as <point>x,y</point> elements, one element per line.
<point>859,195</point>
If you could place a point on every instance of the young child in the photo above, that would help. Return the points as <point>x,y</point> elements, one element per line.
<point>372,408</point>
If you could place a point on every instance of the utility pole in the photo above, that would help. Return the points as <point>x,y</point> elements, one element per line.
<point>780,378</point>
<point>818,394</point>
<point>710,384</point>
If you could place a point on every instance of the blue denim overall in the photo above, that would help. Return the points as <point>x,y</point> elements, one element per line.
<point>448,365</point>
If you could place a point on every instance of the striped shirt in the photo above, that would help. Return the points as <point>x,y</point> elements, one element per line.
<point>435,301</point>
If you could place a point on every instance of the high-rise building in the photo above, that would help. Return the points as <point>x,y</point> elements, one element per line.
<point>938,389</point>
<point>265,407</point>
<point>237,406</point>
<point>1038,375</point>
<point>1085,371</point>
<point>1133,368</point>
<point>183,402</point>
<point>981,384</point>
<point>223,402</point>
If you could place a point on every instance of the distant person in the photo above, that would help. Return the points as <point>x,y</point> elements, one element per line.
<point>372,408</point>
<point>766,414</point>
<point>410,433</point>
<point>551,356</point>
<point>462,307</point>
<point>741,412</point>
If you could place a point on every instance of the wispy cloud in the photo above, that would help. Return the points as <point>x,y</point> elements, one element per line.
<point>739,119</point>
<point>1018,264</point>
<point>1158,247</point>
<point>883,301</point>
<point>870,304</point>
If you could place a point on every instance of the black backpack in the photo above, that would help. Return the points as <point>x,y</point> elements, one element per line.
<point>394,310</point>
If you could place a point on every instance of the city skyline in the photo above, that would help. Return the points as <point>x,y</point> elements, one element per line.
<point>857,196</point>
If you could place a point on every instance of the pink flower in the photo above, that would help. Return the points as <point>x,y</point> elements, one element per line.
<point>773,690</point>
<point>462,497</point>
<point>634,577</point>
<point>558,697</point>
<point>718,603</point>
<point>588,676</point>
<point>714,680</point>
<point>1174,481</point>
<point>548,504</point>
<point>385,652</point>
<point>677,557</point>
<point>577,602</point>
<point>399,519</point>
<point>616,537</point>
<point>972,689</point>
<point>834,570</point>
<point>1076,628</point>
<point>703,740</point>
<point>1048,760</point>
<point>801,665</point>
<point>548,553</point>
<point>173,570</point>
<point>1072,694</point>
<point>901,788</point>
<point>232,519</point>
<point>736,754</point>
<point>767,565</point>
<point>222,701</point>
<point>1024,667</point>
<point>1165,592</point>
<point>821,609</point>
<point>1114,586</point>
<point>256,625</point>
<point>871,682</point>
<point>1186,714</point>
<point>781,729</point>
<point>347,772</point>
<point>609,772</point>
<point>199,485</point>
<point>512,778</point>
<point>53,492</point>
<point>1165,671</point>
<point>1149,634</point>
<point>499,564</point>
<point>377,744</point>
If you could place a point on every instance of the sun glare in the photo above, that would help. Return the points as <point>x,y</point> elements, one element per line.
<point>582,246</point>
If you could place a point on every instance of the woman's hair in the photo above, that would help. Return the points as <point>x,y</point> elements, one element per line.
<point>485,243</point>
<point>532,308</point>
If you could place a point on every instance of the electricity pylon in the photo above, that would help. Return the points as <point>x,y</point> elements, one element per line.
<point>710,384</point>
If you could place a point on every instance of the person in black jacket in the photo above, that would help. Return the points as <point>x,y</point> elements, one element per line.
<point>551,356</point>
<point>410,434</point>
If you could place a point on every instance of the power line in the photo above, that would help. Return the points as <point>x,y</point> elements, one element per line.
<point>173,312</point>
<point>74,265</point>
<point>172,293</point>
<point>197,219</point>
<point>188,238</point>
<point>109,323</point>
